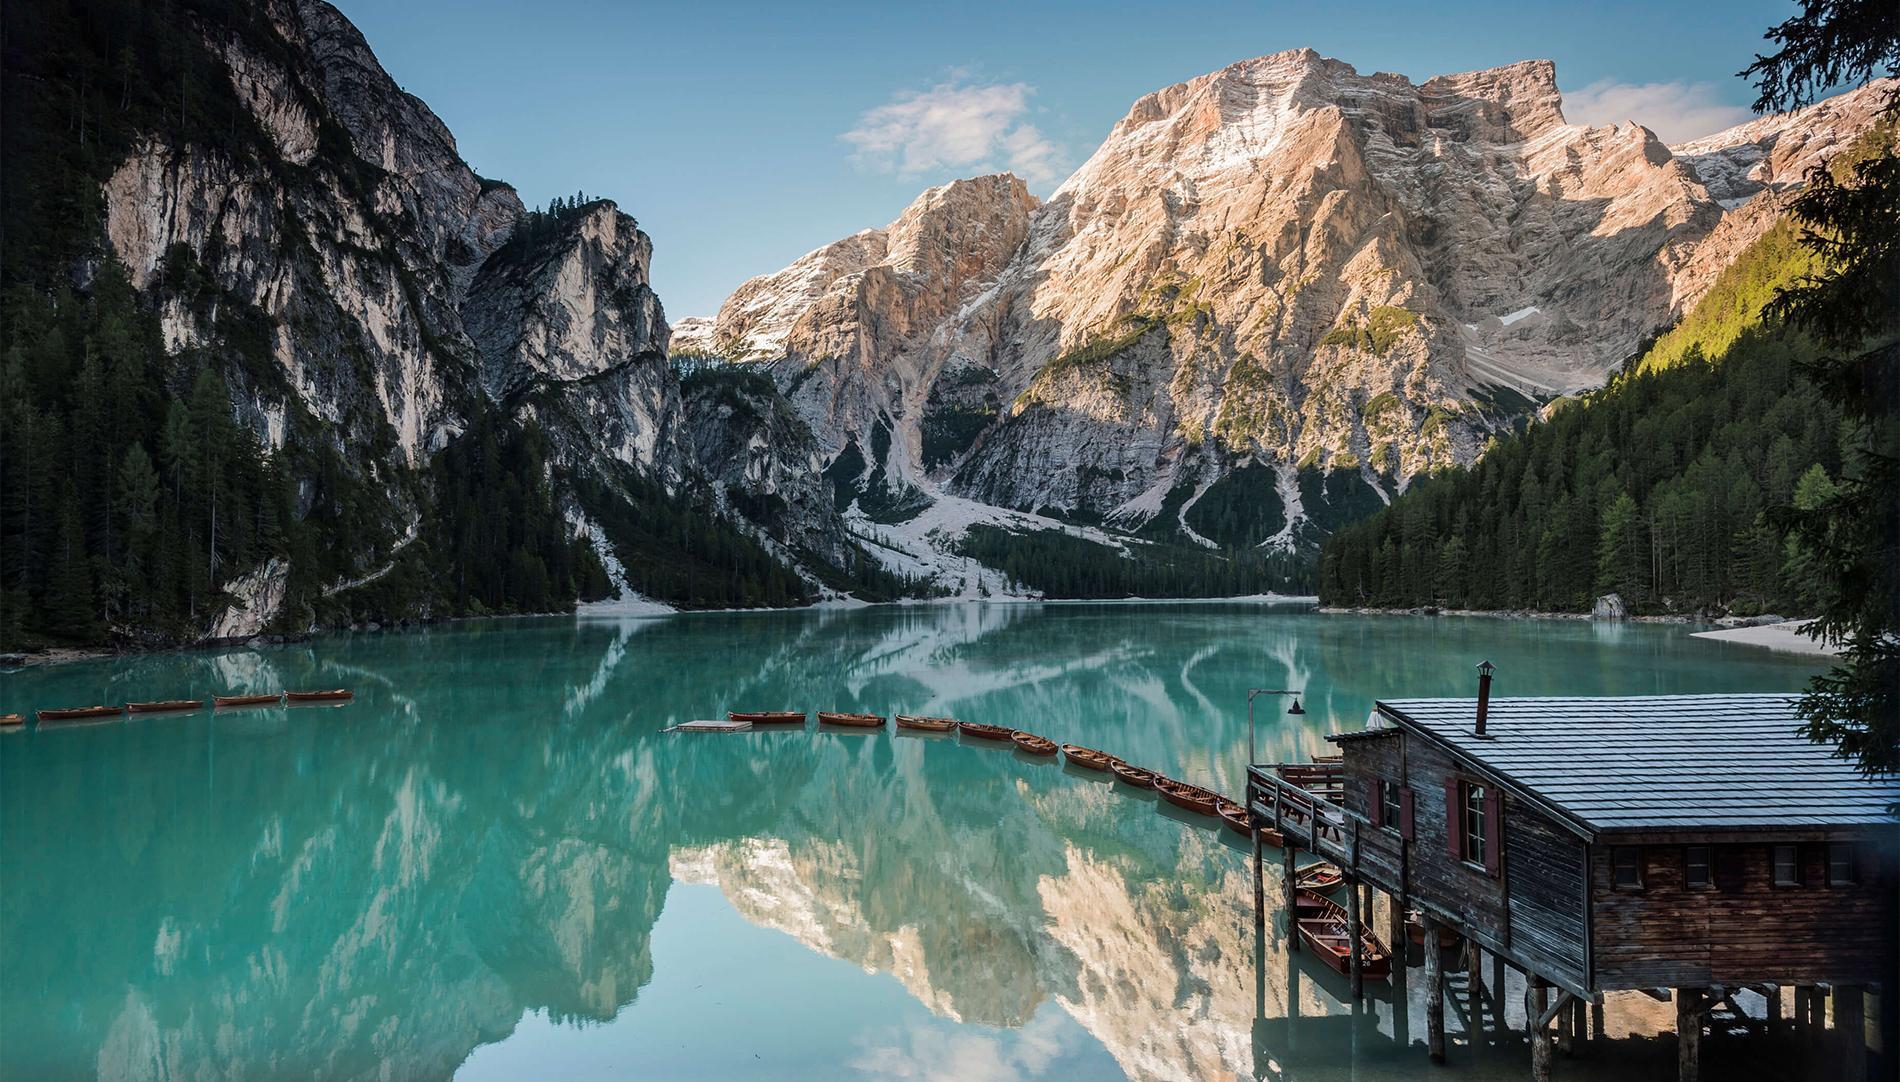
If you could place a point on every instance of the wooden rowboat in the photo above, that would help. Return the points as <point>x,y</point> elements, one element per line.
<point>164,706</point>
<point>1088,757</point>
<point>1187,797</point>
<point>926,724</point>
<point>11,721</point>
<point>1033,744</point>
<point>1133,775</point>
<point>855,721</point>
<point>77,712</point>
<point>1321,875</point>
<point>331,696</point>
<point>1323,930</point>
<point>1271,836</point>
<point>247,700</point>
<point>985,732</point>
<point>1235,817</point>
<point>767,717</point>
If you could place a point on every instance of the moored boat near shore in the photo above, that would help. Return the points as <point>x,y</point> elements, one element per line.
<point>1136,776</point>
<point>12,721</point>
<point>1318,876</point>
<point>247,700</point>
<point>926,724</point>
<point>330,696</point>
<point>1088,757</point>
<point>1187,797</point>
<point>76,713</point>
<point>1033,744</point>
<point>1235,817</point>
<point>849,720</point>
<point>163,706</point>
<point>767,717</point>
<point>1322,923</point>
<point>985,732</point>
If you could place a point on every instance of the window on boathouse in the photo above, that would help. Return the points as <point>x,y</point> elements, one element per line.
<point>1787,863</point>
<point>1626,864</point>
<point>1695,867</point>
<point>1841,870</point>
<point>1477,830</point>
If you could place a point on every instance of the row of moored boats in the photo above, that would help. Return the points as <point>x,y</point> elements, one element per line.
<point>1321,922</point>
<point>175,706</point>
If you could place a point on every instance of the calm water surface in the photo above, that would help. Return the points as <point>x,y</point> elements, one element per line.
<point>493,865</point>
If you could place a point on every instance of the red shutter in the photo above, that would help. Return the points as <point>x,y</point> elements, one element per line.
<point>1454,819</point>
<point>1377,788</point>
<point>1405,812</point>
<point>1494,830</point>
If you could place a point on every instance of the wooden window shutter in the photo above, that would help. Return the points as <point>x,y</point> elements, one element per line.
<point>1405,812</point>
<point>1377,788</point>
<point>1454,819</point>
<point>1493,830</point>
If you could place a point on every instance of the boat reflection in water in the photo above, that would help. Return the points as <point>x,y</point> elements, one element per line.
<point>493,863</point>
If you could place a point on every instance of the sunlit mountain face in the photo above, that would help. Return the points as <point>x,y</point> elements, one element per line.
<point>495,862</point>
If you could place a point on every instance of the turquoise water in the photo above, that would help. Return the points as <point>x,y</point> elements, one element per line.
<point>493,864</point>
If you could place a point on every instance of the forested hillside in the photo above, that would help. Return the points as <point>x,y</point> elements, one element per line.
<point>1662,486</point>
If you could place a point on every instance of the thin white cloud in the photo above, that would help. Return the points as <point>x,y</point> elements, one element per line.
<point>957,126</point>
<point>1675,111</point>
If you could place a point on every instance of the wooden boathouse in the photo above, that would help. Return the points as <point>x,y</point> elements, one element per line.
<point>1686,846</point>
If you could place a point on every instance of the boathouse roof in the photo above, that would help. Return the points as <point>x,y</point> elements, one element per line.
<point>1658,763</point>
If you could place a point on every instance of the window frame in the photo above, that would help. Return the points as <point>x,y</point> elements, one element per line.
<point>1391,807</point>
<point>1635,855</point>
<point>1852,878</point>
<point>1471,797</point>
<point>1707,881</point>
<point>1775,852</point>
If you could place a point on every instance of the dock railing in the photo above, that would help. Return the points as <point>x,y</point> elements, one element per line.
<point>1306,801</point>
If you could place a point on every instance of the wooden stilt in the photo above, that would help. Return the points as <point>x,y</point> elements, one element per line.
<point>1395,935</point>
<point>1802,1015</point>
<point>1474,989</point>
<point>1850,1026</point>
<point>1434,993</point>
<point>1596,1018</point>
<point>1688,1034</point>
<point>1354,929</point>
<point>1771,1007</point>
<point>1817,1013</point>
<point>1290,874</point>
<point>1567,1031</point>
<point>1540,1029</point>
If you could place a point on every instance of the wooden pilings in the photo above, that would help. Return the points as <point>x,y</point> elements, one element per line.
<point>1474,988</point>
<point>1850,1025</point>
<point>1539,1003</point>
<point>1434,992</point>
<point>1290,874</point>
<point>1690,1004</point>
<point>1355,929</point>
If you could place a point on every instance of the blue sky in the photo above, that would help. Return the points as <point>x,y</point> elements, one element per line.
<point>743,135</point>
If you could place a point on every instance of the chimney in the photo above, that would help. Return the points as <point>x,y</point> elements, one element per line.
<point>1485,669</point>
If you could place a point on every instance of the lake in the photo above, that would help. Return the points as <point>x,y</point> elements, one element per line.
<point>494,865</point>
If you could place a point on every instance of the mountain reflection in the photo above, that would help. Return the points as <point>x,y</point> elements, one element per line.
<point>492,828</point>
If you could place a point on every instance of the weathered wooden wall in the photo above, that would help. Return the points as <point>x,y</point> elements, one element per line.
<point>1745,928</point>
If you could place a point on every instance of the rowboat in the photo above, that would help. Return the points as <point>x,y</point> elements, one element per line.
<point>1271,836</point>
<point>330,696</point>
<point>855,721</point>
<point>1133,775</point>
<point>1321,875</point>
<point>11,721</point>
<point>767,717</point>
<point>1235,817</point>
<point>710,725</point>
<point>1088,757</point>
<point>985,732</point>
<point>74,713</point>
<point>1189,797</point>
<point>1323,930</point>
<point>925,724</point>
<point>1415,931</point>
<point>1033,744</point>
<point>246,700</point>
<point>163,706</point>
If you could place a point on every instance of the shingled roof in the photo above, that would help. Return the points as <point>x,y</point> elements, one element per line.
<point>1659,762</point>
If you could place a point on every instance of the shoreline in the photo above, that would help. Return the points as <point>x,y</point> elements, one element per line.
<point>619,609</point>
<point>1501,614</point>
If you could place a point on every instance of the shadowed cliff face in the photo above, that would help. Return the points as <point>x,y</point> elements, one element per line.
<point>494,827</point>
<point>1283,261</point>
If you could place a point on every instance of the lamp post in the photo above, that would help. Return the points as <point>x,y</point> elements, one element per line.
<point>1254,693</point>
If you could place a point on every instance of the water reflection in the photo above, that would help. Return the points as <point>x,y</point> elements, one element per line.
<point>486,840</point>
